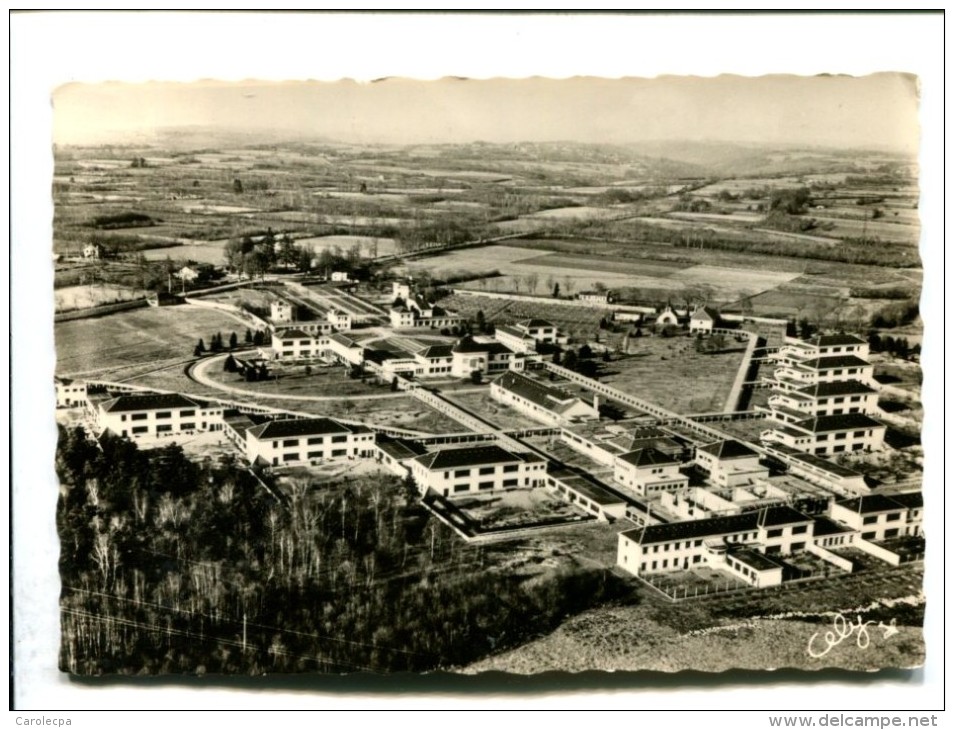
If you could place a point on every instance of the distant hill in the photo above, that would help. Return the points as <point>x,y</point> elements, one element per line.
<point>739,159</point>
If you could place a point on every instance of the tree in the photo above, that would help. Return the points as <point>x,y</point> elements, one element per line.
<point>599,286</point>
<point>199,348</point>
<point>805,329</point>
<point>258,339</point>
<point>556,290</point>
<point>476,377</point>
<point>237,186</point>
<point>481,321</point>
<point>394,384</point>
<point>248,336</point>
<point>307,369</point>
<point>230,366</point>
<point>586,352</point>
<point>570,360</point>
<point>233,341</point>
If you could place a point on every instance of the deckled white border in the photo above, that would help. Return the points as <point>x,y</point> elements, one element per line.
<point>48,49</point>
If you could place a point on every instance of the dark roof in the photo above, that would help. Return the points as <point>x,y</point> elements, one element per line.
<point>647,457</point>
<point>400,449</point>
<point>512,330</point>
<point>471,456</point>
<point>755,560</point>
<point>835,340</point>
<point>705,313</point>
<point>730,449</point>
<point>552,399</point>
<point>432,351</point>
<point>781,515</point>
<point>834,361</point>
<point>846,387</point>
<point>343,339</point>
<point>292,334</point>
<point>825,526</point>
<point>841,422</point>
<point>535,323</point>
<point>829,466</point>
<point>872,503</point>
<point>692,529</point>
<point>665,444</point>
<point>469,344</point>
<point>587,487</point>
<point>648,432</point>
<point>148,402</point>
<point>241,422</point>
<point>299,427</point>
<point>911,500</point>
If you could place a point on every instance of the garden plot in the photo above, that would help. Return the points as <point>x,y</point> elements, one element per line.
<point>514,509</point>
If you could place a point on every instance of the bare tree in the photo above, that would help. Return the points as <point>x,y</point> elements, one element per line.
<point>568,285</point>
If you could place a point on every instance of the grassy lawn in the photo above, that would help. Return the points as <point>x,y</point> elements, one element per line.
<point>669,372</point>
<point>483,405</point>
<point>139,336</point>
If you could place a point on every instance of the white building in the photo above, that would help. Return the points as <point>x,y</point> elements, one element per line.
<point>340,276</point>
<point>139,415</point>
<point>595,297</point>
<point>306,440</point>
<point>343,349</point>
<point>401,290</point>
<point>823,399</point>
<point>704,320</point>
<point>187,274</point>
<point>826,435</point>
<point>416,311</point>
<point>341,321</point>
<point>282,311</point>
<point>745,545</point>
<point>544,403</point>
<point>69,393</point>
<point>524,335</point>
<point>648,472</point>
<point>730,463</point>
<point>823,391</point>
<point>484,355</point>
<point>880,516</point>
<point>293,344</point>
<point>472,469</point>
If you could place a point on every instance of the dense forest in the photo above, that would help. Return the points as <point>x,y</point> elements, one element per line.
<point>173,566</point>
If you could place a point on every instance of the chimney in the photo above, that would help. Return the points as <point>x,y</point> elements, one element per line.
<point>596,403</point>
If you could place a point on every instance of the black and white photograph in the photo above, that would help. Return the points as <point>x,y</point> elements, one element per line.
<point>523,375</point>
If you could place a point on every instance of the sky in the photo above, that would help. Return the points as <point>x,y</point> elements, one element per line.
<point>874,111</point>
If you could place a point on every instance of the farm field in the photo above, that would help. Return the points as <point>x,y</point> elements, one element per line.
<point>83,297</point>
<point>206,252</point>
<point>141,336</point>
